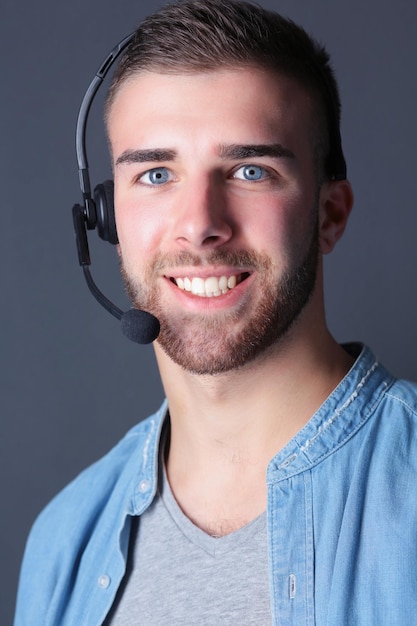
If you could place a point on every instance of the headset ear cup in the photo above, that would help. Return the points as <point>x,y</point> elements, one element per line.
<point>104,201</point>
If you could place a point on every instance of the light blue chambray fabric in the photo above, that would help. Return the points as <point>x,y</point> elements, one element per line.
<point>342,517</point>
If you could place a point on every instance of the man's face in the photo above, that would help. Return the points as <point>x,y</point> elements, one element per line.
<point>216,209</point>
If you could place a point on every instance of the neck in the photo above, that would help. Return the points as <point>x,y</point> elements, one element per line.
<point>226,428</point>
<point>276,394</point>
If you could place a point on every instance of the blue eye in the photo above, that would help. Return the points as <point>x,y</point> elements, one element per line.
<point>250,172</point>
<point>156,176</point>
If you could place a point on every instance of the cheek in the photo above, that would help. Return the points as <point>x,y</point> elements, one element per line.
<point>281,229</point>
<point>139,229</point>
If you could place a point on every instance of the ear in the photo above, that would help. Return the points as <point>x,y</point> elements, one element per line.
<point>336,201</point>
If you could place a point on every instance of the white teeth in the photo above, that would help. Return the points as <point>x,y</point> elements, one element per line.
<point>223,283</point>
<point>212,287</point>
<point>208,287</point>
<point>197,286</point>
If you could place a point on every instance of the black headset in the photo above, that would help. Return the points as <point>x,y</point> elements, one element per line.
<point>97,211</point>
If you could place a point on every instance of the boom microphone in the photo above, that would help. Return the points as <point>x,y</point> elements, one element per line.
<point>139,326</point>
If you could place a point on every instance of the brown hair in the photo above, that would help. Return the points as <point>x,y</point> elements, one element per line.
<point>204,35</point>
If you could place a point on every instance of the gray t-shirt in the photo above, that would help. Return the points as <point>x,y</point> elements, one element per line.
<point>180,576</point>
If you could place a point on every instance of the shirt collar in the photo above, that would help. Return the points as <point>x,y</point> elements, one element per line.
<point>344,411</point>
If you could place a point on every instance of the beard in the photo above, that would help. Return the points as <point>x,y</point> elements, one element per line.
<point>209,344</point>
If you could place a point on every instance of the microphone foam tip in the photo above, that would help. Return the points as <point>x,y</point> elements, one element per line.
<point>140,326</point>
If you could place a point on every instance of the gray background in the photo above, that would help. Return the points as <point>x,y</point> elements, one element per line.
<point>71,384</point>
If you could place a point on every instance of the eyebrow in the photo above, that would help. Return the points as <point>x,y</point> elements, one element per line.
<point>232,151</point>
<point>245,151</point>
<point>142,156</point>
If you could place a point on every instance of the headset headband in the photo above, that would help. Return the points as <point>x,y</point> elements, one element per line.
<point>80,133</point>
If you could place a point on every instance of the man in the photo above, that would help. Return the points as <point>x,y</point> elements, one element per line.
<point>277,483</point>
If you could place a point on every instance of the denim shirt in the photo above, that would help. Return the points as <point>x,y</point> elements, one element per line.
<point>342,517</point>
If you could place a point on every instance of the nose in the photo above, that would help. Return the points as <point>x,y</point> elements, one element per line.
<point>202,219</point>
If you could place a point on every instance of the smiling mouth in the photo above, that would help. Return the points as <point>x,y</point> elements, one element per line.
<point>211,287</point>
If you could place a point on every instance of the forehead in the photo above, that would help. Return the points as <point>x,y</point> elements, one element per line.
<point>240,102</point>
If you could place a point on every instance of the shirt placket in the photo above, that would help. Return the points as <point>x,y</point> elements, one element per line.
<point>291,550</point>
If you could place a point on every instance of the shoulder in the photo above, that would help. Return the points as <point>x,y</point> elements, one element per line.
<point>392,433</point>
<point>83,521</point>
<point>397,410</point>
<point>402,395</point>
<point>100,497</point>
<point>116,470</point>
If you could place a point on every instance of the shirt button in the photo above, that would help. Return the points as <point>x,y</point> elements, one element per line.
<point>104,581</point>
<point>144,485</point>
